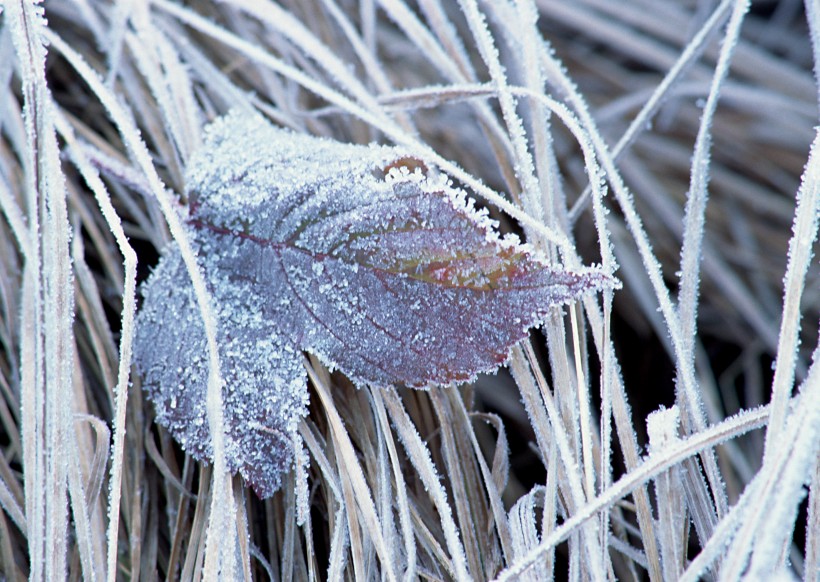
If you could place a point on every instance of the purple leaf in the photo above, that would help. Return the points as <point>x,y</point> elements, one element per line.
<point>358,254</point>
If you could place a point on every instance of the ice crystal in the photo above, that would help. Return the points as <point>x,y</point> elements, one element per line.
<point>358,254</point>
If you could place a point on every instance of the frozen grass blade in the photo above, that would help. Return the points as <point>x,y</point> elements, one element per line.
<point>224,504</point>
<point>804,235</point>
<point>48,354</point>
<point>129,308</point>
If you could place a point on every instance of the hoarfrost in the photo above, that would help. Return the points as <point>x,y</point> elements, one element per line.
<point>351,252</point>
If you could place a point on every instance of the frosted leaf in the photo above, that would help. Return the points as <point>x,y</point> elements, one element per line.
<point>355,253</point>
<point>264,394</point>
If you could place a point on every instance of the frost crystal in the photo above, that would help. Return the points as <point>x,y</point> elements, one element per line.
<point>351,252</point>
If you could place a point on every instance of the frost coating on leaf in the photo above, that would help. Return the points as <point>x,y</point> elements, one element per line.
<point>264,393</point>
<point>355,253</point>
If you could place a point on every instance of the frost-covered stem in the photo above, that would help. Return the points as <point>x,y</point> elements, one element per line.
<point>583,405</point>
<point>355,477</point>
<point>47,340</point>
<point>420,458</point>
<point>402,502</point>
<point>709,438</point>
<point>382,123</point>
<point>96,185</point>
<point>222,508</point>
<point>693,243</point>
<point>693,49</point>
<point>662,426</point>
<point>524,167</point>
<point>576,488</point>
<point>812,556</point>
<point>804,229</point>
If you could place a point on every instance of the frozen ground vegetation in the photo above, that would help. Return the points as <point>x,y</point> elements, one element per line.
<point>260,263</point>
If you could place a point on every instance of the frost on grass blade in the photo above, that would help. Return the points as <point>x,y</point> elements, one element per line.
<point>353,253</point>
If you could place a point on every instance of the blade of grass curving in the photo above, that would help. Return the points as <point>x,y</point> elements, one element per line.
<point>491,484</point>
<point>812,554</point>
<point>457,475</point>
<point>47,424</point>
<point>360,493</point>
<point>377,120</point>
<point>95,184</point>
<point>524,532</point>
<point>804,234</point>
<point>420,459</point>
<point>688,395</point>
<point>400,485</point>
<point>222,503</point>
<point>651,467</point>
